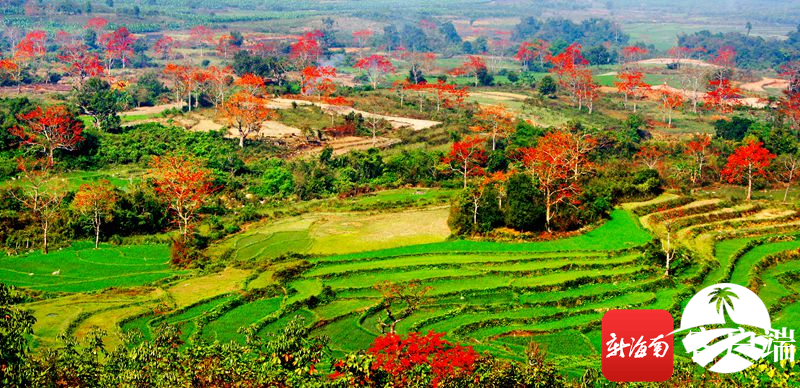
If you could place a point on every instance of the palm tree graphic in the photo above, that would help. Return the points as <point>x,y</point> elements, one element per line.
<point>722,297</point>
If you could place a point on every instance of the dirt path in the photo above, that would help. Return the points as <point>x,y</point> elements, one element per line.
<point>397,122</point>
<point>758,86</point>
<point>502,96</point>
<point>345,144</point>
<point>150,110</point>
<point>667,61</point>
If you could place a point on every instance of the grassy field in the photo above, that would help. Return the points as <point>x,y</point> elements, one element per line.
<point>81,268</point>
<point>332,233</point>
<point>494,296</point>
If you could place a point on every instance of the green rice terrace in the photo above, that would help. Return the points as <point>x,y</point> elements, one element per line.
<point>494,296</point>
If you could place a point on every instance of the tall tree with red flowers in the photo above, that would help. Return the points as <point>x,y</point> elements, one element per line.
<point>184,185</point>
<point>96,24</point>
<point>495,121</point>
<point>202,36</point>
<point>669,102</point>
<point>96,201</point>
<point>118,46</point>
<point>471,67</point>
<point>722,96</point>
<point>376,67</point>
<point>40,193</point>
<point>49,129</point>
<point>318,80</point>
<point>10,69</point>
<point>307,50</point>
<point>226,46</point>
<point>651,155</point>
<point>531,51</point>
<point>80,63</point>
<point>699,150</point>
<point>164,47</point>
<point>245,113</point>
<point>631,85</point>
<point>573,75</point>
<point>747,162</point>
<point>467,157</point>
<point>556,162</point>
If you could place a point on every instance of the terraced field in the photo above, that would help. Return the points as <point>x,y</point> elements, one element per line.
<point>494,296</point>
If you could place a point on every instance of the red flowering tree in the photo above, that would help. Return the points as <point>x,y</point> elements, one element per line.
<point>405,359</point>
<point>218,82</point>
<point>183,185</point>
<point>179,76</point>
<point>650,155</point>
<point>556,162</point>
<point>471,67</point>
<point>96,24</point>
<point>118,46</point>
<point>669,102</point>
<point>573,75</point>
<point>528,52</point>
<point>202,36</point>
<point>376,67</point>
<point>164,47</point>
<point>307,50</point>
<point>699,149</point>
<point>633,54</point>
<point>789,105</point>
<point>318,80</point>
<point>495,121</point>
<point>631,85</point>
<point>361,37</point>
<point>226,46</point>
<point>10,69</point>
<point>32,47</point>
<point>80,63</point>
<point>722,96</point>
<point>467,157</point>
<point>747,162</point>
<point>245,113</point>
<point>96,201</point>
<point>49,129</point>
<point>252,83</point>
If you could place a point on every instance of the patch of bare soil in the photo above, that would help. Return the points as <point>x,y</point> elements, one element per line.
<point>758,86</point>
<point>667,61</point>
<point>346,144</point>
<point>147,110</point>
<point>502,96</point>
<point>395,121</point>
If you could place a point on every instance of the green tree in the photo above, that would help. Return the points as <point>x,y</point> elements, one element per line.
<point>276,181</point>
<point>15,326</point>
<point>547,86</point>
<point>524,209</point>
<point>102,103</point>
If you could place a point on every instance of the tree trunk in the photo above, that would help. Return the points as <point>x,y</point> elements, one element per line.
<point>547,213</point>
<point>45,226</point>
<point>749,184</point>
<point>241,140</point>
<point>97,233</point>
<point>788,185</point>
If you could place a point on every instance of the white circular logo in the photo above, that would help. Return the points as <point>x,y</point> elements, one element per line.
<point>721,323</point>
